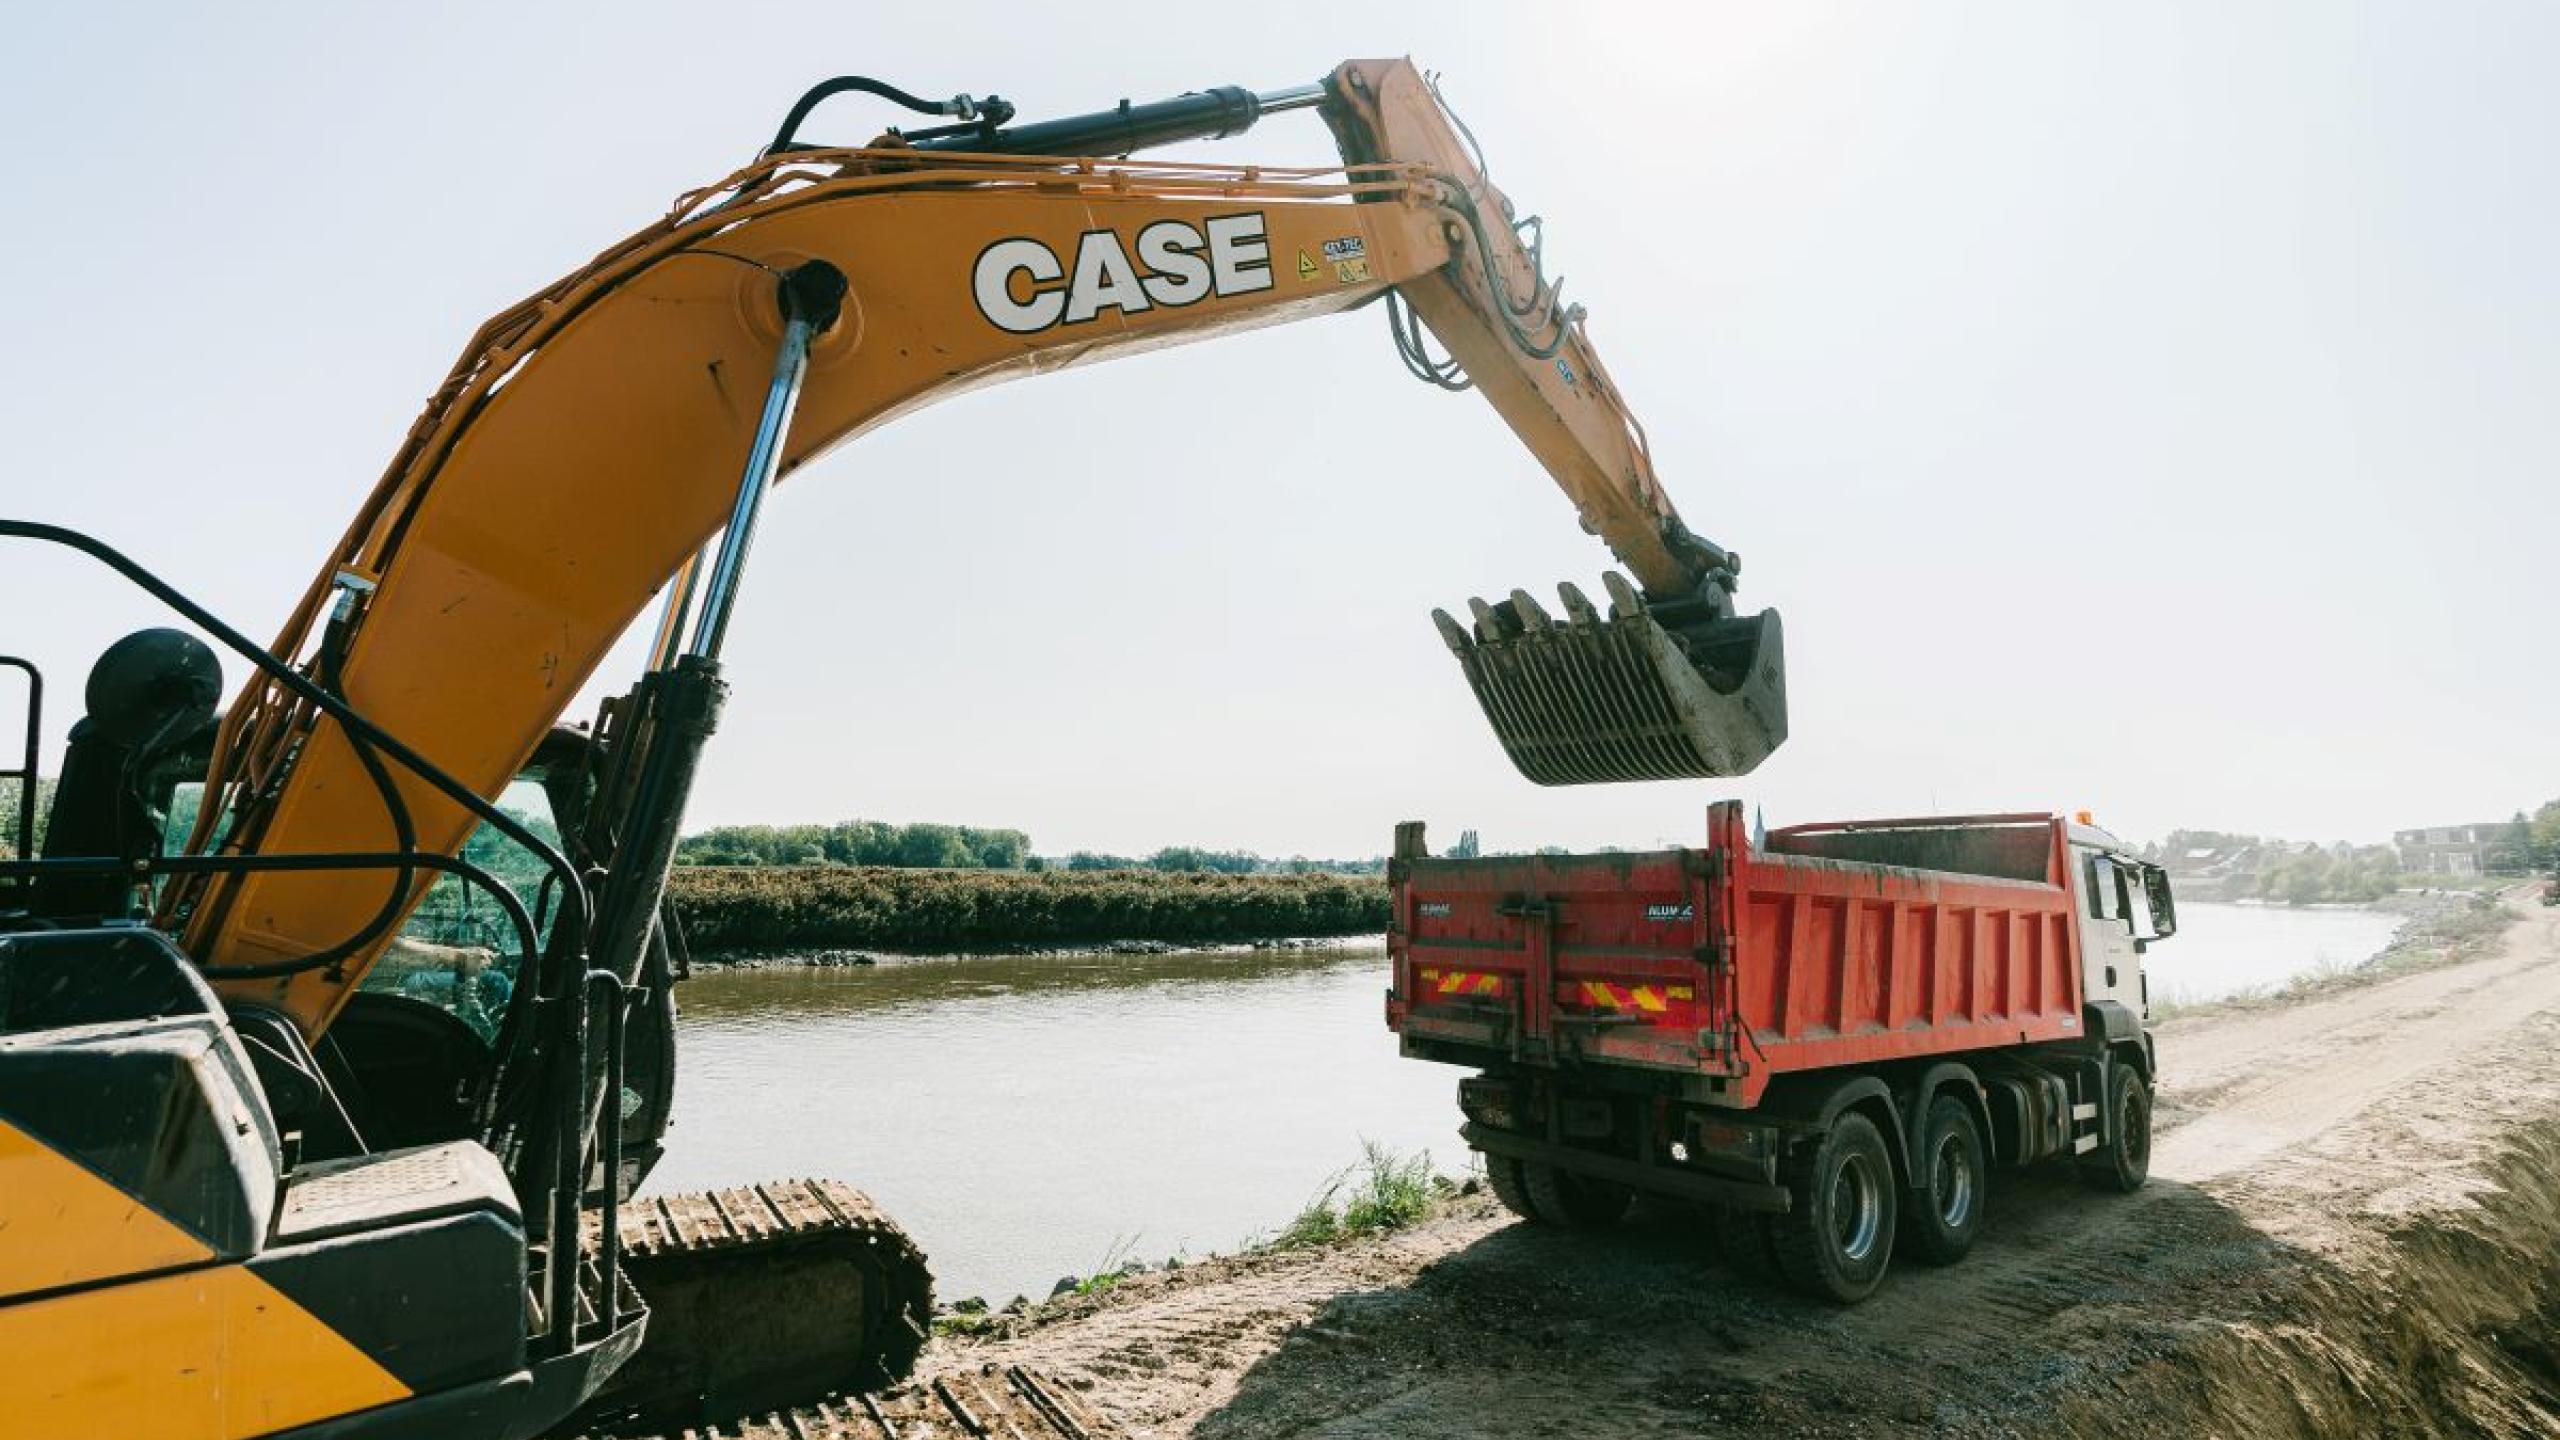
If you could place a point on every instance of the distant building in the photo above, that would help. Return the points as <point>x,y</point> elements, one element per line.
<point>2454,849</point>
<point>2225,871</point>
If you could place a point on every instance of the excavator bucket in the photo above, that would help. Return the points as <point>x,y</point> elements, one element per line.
<point>1670,692</point>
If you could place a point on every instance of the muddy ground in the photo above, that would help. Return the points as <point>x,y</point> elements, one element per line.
<point>2350,1231</point>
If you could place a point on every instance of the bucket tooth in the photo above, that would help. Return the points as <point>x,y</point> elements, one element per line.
<point>1455,634</point>
<point>1640,695</point>
<point>1577,606</point>
<point>1623,599</point>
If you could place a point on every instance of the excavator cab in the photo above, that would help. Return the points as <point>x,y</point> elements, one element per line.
<point>163,1144</point>
<point>279,1240</point>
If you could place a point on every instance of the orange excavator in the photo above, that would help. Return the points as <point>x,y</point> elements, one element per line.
<point>336,1029</point>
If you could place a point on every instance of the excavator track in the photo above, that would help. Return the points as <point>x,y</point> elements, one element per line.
<point>979,1403</point>
<point>762,1298</point>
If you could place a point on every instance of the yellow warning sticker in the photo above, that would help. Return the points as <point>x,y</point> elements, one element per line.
<point>1306,267</point>
<point>1351,271</point>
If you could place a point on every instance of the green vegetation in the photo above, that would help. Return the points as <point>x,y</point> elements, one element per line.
<point>2542,837</point>
<point>826,907</point>
<point>1116,1266</point>
<point>9,816</point>
<point>924,845</point>
<point>2313,876</point>
<point>1191,860</point>
<point>1384,1192</point>
<point>457,912</point>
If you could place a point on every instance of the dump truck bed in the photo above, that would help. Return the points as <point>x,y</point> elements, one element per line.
<point>1828,945</point>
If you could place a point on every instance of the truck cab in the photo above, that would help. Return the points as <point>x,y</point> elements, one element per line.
<point>2125,907</point>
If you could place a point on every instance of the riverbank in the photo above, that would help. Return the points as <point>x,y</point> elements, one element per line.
<point>2438,928</point>
<point>844,959</point>
<point>2339,1239</point>
<point>766,912</point>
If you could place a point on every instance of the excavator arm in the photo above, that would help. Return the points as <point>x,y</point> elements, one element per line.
<point>586,450</point>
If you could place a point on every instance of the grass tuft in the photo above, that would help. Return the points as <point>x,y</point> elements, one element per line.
<point>1384,1192</point>
<point>1115,1267</point>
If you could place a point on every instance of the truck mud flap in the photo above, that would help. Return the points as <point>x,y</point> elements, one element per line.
<point>1652,1179</point>
<point>1588,700</point>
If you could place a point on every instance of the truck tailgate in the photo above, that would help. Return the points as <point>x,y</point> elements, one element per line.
<point>1539,957</point>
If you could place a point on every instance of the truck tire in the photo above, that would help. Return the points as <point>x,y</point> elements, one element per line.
<point>2121,1166</point>
<point>1836,1239</point>
<point>1510,1186</point>
<point>1952,1179</point>
<point>1575,1202</point>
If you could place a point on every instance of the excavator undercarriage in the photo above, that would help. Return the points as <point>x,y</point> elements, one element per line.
<point>761,1296</point>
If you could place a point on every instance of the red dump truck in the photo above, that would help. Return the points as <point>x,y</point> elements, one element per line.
<point>1829,1036</point>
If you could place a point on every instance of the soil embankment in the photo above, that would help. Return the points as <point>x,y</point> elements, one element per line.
<point>2350,1231</point>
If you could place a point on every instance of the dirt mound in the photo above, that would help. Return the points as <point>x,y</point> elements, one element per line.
<point>2448,1329</point>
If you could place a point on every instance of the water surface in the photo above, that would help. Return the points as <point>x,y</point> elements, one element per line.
<point>2225,950</point>
<point>1022,1117</point>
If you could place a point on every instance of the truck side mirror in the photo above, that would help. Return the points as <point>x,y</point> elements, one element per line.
<point>2164,906</point>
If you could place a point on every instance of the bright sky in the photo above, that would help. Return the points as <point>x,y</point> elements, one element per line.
<point>2146,408</point>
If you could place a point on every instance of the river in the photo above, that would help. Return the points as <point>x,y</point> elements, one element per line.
<point>1032,1118</point>
<point>2226,950</point>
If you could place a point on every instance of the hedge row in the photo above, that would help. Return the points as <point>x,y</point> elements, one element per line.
<point>819,907</point>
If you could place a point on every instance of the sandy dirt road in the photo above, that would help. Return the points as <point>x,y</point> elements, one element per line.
<point>2349,1231</point>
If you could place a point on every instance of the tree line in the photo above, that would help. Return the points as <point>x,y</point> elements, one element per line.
<point>928,845</point>
<point>1193,860</point>
<point>2542,836</point>
<point>845,906</point>
<point>923,845</point>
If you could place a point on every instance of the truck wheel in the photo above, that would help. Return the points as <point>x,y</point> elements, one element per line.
<point>1743,1236</point>
<point>1509,1186</point>
<point>1953,1179</point>
<point>1576,1202</point>
<point>2122,1166</point>
<point>1836,1238</point>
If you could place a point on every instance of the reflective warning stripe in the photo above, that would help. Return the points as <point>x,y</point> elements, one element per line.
<point>1463,982</point>
<point>1651,999</point>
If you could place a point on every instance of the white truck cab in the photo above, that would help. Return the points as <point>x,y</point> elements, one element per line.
<point>2125,905</point>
